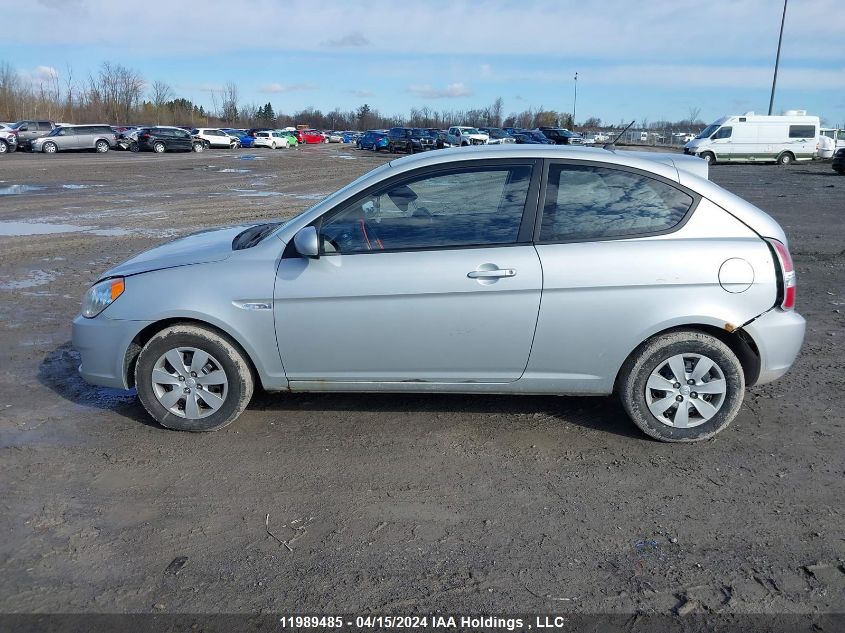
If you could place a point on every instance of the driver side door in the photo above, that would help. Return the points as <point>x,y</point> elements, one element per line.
<point>431,278</point>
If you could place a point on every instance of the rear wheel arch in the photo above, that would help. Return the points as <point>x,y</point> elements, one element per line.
<point>144,336</point>
<point>739,342</point>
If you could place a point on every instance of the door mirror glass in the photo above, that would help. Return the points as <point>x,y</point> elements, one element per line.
<point>306,243</point>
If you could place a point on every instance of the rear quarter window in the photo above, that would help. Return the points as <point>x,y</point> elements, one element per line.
<point>802,131</point>
<point>588,202</point>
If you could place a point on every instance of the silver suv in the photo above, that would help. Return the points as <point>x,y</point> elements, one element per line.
<point>100,138</point>
<point>498,269</point>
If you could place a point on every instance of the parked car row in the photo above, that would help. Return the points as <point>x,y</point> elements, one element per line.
<point>412,140</point>
<point>50,137</point>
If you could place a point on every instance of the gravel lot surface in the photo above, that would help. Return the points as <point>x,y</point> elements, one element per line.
<point>391,503</point>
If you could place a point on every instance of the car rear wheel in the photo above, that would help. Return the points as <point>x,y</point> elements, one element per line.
<point>159,147</point>
<point>134,147</point>
<point>49,148</point>
<point>683,386</point>
<point>102,147</point>
<point>191,378</point>
<point>786,158</point>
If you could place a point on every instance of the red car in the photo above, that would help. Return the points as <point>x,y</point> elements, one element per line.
<point>312,136</point>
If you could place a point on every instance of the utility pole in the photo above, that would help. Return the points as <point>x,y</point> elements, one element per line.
<point>575,101</point>
<point>777,58</point>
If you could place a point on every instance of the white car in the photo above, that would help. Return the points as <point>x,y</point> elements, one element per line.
<point>271,139</point>
<point>460,136</point>
<point>213,137</point>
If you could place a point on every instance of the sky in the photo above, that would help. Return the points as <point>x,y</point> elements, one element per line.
<point>636,60</point>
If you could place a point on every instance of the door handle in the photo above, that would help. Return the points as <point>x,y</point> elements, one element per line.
<point>491,274</point>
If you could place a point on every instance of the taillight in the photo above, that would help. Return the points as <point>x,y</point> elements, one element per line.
<point>786,286</point>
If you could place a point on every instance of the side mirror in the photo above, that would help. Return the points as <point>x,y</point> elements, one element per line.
<point>307,242</point>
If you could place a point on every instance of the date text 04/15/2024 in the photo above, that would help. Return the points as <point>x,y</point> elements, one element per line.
<point>426,622</point>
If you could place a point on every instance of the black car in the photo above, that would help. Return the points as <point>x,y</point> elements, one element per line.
<point>839,161</point>
<point>399,140</point>
<point>560,136</point>
<point>439,137</point>
<point>422,140</point>
<point>166,139</point>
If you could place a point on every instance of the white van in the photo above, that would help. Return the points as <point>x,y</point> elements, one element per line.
<point>752,138</point>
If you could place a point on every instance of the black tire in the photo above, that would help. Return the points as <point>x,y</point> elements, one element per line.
<point>787,158</point>
<point>197,147</point>
<point>230,358</point>
<point>4,147</point>
<point>49,148</point>
<point>101,147</point>
<point>839,170</point>
<point>709,157</point>
<point>159,147</point>
<point>206,145</point>
<point>646,359</point>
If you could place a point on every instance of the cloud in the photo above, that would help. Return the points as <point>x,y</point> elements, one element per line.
<point>451,91</point>
<point>275,88</point>
<point>363,94</point>
<point>352,40</point>
<point>40,75</point>
<point>58,5</point>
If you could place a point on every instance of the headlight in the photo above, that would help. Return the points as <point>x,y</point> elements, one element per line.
<point>101,295</point>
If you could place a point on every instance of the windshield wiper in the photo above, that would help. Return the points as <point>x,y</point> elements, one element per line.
<point>253,235</point>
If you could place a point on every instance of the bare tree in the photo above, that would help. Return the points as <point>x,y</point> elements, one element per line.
<point>229,103</point>
<point>496,111</point>
<point>694,113</point>
<point>161,93</point>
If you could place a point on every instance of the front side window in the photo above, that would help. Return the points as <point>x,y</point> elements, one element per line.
<point>802,131</point>
<point>460,207</point>
<point>724,132</point>
<point>586,202</point>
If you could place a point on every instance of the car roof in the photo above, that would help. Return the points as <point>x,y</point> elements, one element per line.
<point>662,164</point>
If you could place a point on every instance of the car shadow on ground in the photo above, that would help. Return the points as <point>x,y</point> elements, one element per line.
<point>58,372</point>
<point>603,414</point>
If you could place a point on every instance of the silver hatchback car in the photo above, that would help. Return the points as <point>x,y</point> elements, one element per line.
<point>504,269</point>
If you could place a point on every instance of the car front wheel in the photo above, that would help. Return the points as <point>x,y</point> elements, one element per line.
<point>190,378</point>
<point>682,386</point>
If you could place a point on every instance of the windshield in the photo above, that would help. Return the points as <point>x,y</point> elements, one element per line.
<point>56,131</point>
<point>708,130</point>
<point>469,130</point>
<point>340,193</point>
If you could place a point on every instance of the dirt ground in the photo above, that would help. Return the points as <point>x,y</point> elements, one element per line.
<point>391,503</point>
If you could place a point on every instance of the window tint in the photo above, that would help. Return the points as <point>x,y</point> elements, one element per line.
<point>183,134</point>
<point>44,126</point>
<point>802,131</point>
<point>584,202</point>
<point>724,132</point>
<point>472,207</point>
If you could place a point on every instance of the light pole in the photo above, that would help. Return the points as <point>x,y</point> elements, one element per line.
<point>777,58</point>
<point>575,101</point>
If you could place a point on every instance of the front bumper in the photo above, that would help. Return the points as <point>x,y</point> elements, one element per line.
<point>102,344</point>
<point>778,335</point>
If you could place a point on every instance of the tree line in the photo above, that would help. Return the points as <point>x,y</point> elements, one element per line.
<point>122,96</point>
